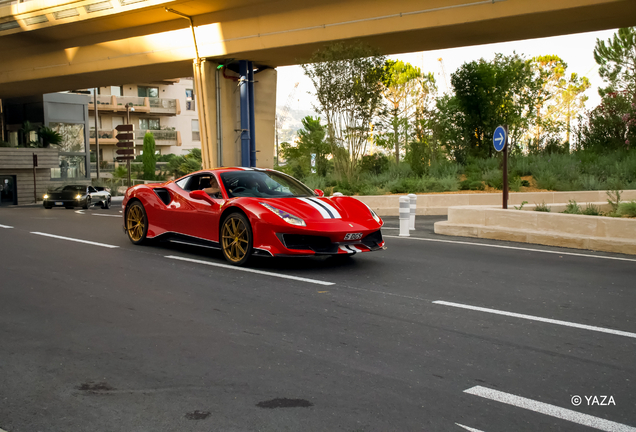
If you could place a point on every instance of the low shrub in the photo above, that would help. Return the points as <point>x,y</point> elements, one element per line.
<point>477,185</point>
<point>627,209</point>
<point>543,207</point>
<point>592,210</point>
<point>572,208</point>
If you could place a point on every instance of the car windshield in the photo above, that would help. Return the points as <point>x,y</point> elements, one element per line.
<point>263,184</point>
<point>74,188</point>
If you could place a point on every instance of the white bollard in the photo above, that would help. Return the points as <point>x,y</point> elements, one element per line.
<point>404,216</point>
<point>413,199</point>
<point>337,194</point>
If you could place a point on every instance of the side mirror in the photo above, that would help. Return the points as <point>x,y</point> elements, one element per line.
<point>201,196</point>
<point>319,192</point>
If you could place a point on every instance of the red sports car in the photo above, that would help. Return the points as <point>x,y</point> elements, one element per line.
<point>250,211</point>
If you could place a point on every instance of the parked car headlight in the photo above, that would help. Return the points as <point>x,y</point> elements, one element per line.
<point>78,196</point>
<point>45,196</point>
<point>289,218</point>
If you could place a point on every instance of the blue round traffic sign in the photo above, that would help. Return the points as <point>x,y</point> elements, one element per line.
<point>499,138</point>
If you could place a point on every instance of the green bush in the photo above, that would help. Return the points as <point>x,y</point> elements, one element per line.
<point>572,208</point>
<point>592,210</point>
<point>543,207</point>
<point>627,209</point>
<point>477,185</point>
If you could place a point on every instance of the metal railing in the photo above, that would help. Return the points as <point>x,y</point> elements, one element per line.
<point>101,100</point>
<point>160,135</point>
<point>102,133</point>
<point>136,101</point>
<point>163,103</point>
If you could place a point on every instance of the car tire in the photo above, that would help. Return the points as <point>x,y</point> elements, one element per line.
<point>106,204</point>
<point>236,239</point>
<point>136,223</point>
<point>87,204</point>
<point>48,207</point>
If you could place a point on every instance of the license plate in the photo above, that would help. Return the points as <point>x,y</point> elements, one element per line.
<point>353,236</point>
<point>59,203</point>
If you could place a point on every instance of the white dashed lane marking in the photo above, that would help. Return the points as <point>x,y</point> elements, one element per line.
<point>468,428</point>
<point>5,226</point>
<point>550,410</point>
<point>249,270</point>
<point>536,318</point>
<point>74,240</point>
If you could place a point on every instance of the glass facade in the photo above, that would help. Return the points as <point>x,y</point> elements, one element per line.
<point>72,151</point>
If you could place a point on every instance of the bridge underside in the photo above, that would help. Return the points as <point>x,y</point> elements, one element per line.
<point>143,42</point>
<point>112,50</point>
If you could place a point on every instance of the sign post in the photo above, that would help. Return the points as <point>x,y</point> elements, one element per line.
<point>35,164</point>
<point>500,141</point>
<point>125,146</point>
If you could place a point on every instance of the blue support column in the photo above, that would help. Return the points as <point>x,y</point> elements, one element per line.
<point>245,113</point>
<point>250,77</point>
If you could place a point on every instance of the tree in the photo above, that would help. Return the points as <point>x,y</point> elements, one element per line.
<point>617,61</point>
<point>549,70</point>
<point>399,80</point>
<point>571,100</point>
<point>488,94</point>
<point>347,80</point>
<point>148,156</point>
<point>311,140</point>
<point>182,165</point>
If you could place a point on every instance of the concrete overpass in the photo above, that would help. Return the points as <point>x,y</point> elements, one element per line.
<point>58,45</point>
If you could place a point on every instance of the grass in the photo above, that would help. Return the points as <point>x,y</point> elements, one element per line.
<point>627,209</point>
<point>543,207</point>
<point>582,170</point>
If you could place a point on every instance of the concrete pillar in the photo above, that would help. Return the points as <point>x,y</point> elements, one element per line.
<point>264,116</point>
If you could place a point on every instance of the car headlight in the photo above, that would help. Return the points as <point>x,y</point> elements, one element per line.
<point>289,218</point>
<point>375,216</point>
<point>45,196</point>
<point>78,196</point>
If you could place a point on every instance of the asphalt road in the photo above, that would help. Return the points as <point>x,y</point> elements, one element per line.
<point>433,333</point>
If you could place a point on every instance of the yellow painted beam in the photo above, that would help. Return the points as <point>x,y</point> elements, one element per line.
<point>276,33</point>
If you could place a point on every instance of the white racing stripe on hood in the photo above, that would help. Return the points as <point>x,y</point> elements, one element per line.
<point>326,210</point>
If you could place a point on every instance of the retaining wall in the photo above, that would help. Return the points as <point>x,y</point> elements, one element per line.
<point>554,229</point>
<point>438,204</point>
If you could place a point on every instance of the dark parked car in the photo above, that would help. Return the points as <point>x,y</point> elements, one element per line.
<point>71,196</point>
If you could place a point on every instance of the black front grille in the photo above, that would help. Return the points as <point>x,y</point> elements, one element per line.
<point>301,241</point>
<point>373,240</point>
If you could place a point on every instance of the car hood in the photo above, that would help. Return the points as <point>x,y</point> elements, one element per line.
<point>321,208</point>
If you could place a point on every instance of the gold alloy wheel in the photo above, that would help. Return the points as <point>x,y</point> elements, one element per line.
<point>135,223</point>
<point>235,238</point>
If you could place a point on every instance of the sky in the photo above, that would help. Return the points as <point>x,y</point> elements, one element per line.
<point>575,49</point>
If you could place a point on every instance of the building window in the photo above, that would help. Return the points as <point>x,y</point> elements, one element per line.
<point>189,100</point>
<point>195,131</point>
<point>152,92</point>
<point>149,124</point>
<point>117,91</point>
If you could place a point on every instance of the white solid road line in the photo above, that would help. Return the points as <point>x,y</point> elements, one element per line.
<point>536,318</point>
<point>5,226</point>
<point>103,214</point>
<point>75,240</point>
<point>550,410</point>
<point>514,247</point>
<point>468,428</point>
<point>228,266</point>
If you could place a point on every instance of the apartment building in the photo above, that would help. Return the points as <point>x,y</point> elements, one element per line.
<point>167,109</point>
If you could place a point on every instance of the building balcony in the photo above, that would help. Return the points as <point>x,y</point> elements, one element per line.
<point>162,137</point>
<point>161,106</point>
<point>106,137</point>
